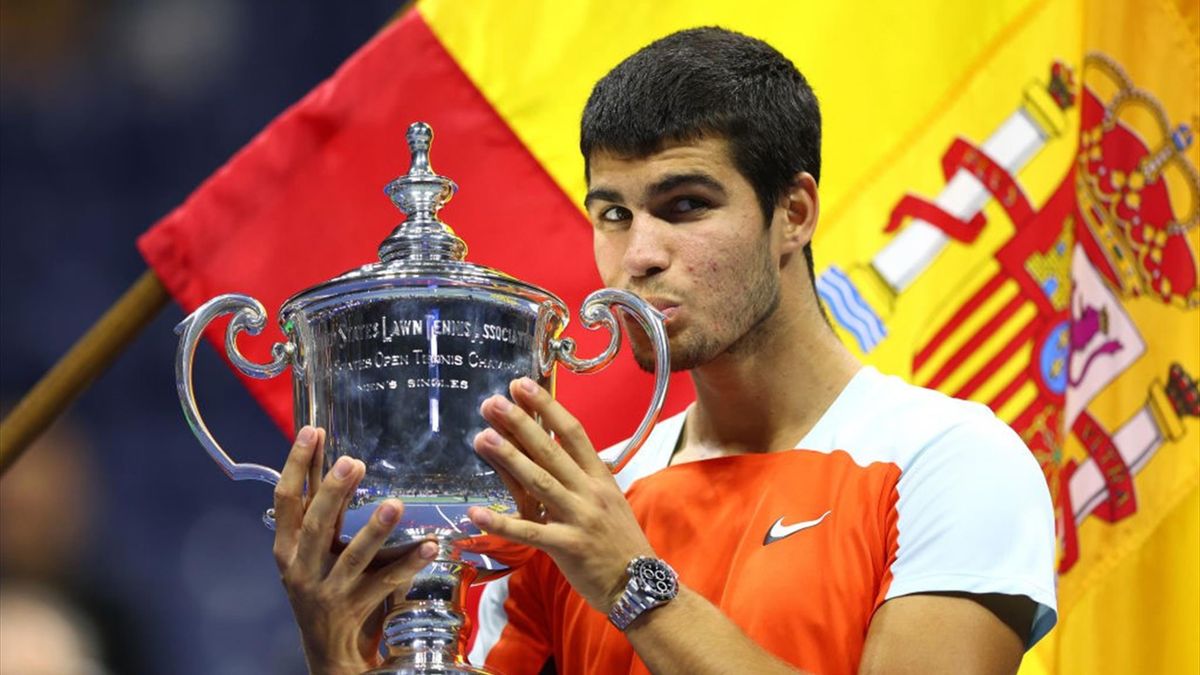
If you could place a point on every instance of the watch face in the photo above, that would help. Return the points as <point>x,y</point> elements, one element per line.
<point>655,578</point>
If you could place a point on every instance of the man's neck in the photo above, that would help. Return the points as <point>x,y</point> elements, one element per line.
<point>768,398</point>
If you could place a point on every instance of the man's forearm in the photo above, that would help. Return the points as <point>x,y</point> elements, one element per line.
<point>690,635</point>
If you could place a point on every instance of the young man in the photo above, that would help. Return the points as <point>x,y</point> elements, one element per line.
<point>820,516</point>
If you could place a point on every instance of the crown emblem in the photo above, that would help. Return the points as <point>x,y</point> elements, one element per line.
<point>1138,194</point>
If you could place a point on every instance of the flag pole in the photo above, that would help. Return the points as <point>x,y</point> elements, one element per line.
<point>87,358</point>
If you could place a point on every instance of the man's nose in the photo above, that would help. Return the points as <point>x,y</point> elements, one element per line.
<point>646,253</point>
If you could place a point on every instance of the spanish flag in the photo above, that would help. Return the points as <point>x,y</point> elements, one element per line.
<point>1011,214</point>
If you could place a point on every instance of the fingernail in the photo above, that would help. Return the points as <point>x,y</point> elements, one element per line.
<point>342,467</point>
<point>428,550</point>
<point>527,385</point>
<point>502,404</point>
<point>481,517</point>
<point>489,438</point>
<point>307,436</point>
<point>388,513</point>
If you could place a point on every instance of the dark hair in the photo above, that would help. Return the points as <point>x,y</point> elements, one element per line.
<point>711,82</point>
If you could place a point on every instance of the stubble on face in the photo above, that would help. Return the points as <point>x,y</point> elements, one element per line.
<point>740,321</point>
<point>716,260</point>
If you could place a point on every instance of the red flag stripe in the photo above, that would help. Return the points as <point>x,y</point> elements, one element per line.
<point>957,320</point>
<point>1009,391</point>
<point>998,360</point>
<point>303,202</point>
<point>970,346</point>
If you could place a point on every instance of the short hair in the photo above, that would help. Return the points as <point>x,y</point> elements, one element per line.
<point>710,82</point>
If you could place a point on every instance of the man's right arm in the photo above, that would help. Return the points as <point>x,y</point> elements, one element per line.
<point>334,596</point>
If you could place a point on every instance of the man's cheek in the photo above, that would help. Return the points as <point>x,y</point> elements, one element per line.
<point>607,259</point>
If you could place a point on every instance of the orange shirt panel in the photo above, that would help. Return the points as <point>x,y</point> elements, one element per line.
<point>808,596</point>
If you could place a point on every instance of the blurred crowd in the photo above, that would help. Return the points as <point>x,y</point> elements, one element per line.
<point>54,617</point>
<point>122,548</point>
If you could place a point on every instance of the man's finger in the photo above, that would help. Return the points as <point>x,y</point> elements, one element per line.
<point>527,506</point>
<point>318,465</point>
<point>573,438</point>
<point>321,518</point>
<point>362,548</point>
<point>289,495</point>
<point>537,481</point>
<point>516,530</point>
<point>519,428</point>
<point>396,576</point>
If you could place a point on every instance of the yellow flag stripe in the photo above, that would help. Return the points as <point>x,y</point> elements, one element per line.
<point>1010,371</point>
<point>937,110</point>
<point>1018,402</point>
<point>1000,338</point>
<point>969,328</point>
<point>537,60</point>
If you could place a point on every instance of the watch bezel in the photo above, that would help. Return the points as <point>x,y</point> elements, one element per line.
<point>649,574</point>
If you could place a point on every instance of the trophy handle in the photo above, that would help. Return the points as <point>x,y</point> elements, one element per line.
<point>596,312</point>
<point>250,317</point>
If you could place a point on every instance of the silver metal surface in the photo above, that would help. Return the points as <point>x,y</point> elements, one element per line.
<point>393,359</point>
<point>597,311</point>
<point>652,583</point>
<point>425,630</point>
<point>249,316</point>
<point>420,194</point>
<point>396,377</point>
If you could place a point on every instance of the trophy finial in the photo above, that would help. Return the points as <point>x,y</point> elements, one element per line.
<point>420,194</point>
<point>419,136</point>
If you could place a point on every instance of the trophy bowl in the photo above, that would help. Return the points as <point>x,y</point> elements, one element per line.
<point>393,360</point>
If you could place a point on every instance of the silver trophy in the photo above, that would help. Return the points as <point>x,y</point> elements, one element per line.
<point>393,359</point>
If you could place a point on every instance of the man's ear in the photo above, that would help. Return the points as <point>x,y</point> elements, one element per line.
<point>802,208</point>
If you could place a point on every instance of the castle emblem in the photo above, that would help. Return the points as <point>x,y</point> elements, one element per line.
<point>1115,229</point>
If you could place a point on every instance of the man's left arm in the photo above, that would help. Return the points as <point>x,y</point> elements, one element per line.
<point>917,634</point>
<point>946,633</point>
<point>591,533</point>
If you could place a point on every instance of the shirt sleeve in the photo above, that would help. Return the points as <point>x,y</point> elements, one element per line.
<point>974,514</point>
<point>514,635</point>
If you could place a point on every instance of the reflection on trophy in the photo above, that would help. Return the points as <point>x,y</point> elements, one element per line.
<point>393,359</point>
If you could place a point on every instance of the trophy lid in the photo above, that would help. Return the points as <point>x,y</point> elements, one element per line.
<point>422,251</point>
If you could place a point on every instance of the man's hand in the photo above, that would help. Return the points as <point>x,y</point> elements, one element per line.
<point>336,599</point>
<point>591,534</point>
<point>589,529</point>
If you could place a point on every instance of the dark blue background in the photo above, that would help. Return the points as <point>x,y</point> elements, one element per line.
<point>110,114</point>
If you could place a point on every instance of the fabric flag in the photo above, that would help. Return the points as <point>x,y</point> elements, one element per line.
<point>1010,205</point>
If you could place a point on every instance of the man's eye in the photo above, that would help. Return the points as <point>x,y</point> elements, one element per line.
<point>687,205</point>
<point>615,214</point>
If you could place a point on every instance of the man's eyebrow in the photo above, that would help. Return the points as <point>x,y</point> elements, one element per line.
<point>601,194</point>
<point>673,181</point>
<point>663,186</point>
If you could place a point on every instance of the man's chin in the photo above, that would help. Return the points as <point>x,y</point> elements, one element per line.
<point>643,354</point>
<point>682,358</point>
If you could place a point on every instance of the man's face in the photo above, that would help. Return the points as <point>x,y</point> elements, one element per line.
<point>683,229</point>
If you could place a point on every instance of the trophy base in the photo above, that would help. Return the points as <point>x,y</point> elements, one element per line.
<point>430,669</point>
<point>425,629</point>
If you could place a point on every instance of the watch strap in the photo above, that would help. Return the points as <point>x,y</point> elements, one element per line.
<point>629,607</point>
<point>634,601</point>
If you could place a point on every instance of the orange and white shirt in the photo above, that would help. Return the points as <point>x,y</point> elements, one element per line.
<point>896,490</point>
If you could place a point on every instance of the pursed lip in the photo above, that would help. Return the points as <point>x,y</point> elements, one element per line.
<point>669,308</point>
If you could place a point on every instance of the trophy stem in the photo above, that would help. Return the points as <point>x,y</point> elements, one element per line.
<point>425,632</point>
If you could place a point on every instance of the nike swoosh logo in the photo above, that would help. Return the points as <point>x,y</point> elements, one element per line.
<point>779,530</point>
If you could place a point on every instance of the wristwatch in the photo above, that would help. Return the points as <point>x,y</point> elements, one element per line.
<point>652,583</point>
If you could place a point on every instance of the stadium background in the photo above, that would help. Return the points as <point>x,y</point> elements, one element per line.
<point>112,114</point>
